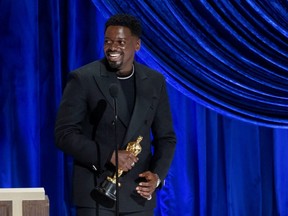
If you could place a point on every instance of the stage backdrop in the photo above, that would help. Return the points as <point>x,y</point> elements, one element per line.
<point>227,72</point>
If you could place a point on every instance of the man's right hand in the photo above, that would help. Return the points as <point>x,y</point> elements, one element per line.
<point>126,160</point>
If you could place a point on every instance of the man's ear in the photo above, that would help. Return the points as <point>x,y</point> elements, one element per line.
<point>138,45</point>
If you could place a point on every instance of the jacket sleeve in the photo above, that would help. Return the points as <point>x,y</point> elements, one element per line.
<point>164,138</point>
<point>71,136</point>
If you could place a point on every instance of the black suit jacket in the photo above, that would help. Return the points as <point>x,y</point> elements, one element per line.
<point>85,130</point>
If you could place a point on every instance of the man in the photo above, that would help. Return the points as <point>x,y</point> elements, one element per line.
<point>85,126</point>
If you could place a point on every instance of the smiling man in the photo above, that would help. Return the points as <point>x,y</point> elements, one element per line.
<point>86,126</point>
<point>120,46</point>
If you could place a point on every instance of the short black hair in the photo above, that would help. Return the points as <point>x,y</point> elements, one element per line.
<point>126,20</point>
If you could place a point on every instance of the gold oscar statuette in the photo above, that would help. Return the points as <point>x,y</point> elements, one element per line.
<point>108,187</point>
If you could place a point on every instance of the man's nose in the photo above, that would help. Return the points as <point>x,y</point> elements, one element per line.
<point>114,46</point>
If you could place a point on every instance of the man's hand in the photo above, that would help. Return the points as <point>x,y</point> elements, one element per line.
<point>126,160</point>
<point>146,189</point>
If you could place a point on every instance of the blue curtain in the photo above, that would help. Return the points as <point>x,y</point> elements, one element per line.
<point>227,72</point>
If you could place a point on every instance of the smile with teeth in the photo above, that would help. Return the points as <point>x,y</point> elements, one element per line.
<point>114,56</point>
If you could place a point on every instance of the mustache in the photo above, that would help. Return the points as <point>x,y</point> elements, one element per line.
<point>114,51</point>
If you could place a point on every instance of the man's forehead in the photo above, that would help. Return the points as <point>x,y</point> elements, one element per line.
<point>119,31</point>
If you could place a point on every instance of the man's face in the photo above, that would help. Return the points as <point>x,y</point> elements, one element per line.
<point>120,47</point>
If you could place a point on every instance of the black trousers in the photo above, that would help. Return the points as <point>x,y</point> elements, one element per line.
<point>102,212</point>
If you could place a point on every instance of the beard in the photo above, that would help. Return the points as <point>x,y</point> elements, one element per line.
<point>115,64</point>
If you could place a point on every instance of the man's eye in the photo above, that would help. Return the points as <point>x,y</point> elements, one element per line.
<point>122,42</point>
<point>107,42</point>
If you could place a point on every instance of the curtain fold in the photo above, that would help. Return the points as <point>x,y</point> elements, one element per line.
<point>229,56</point>
<point>18,104</point>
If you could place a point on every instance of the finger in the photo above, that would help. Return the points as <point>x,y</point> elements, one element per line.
<point>133,158</point>
<point>145,184</point>
<point>125,161</point>
<point>144,174</point>
<point>131,163</point>
<point>148,175</point>
<point>143,191</point>
<point>128,166</point>
<point>147,196</point>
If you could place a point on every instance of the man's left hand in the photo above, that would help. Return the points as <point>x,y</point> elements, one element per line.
<point>146,189</point>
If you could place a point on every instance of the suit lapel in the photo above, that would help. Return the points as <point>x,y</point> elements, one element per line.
<point>104,81</point>
<point>142,103</point>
